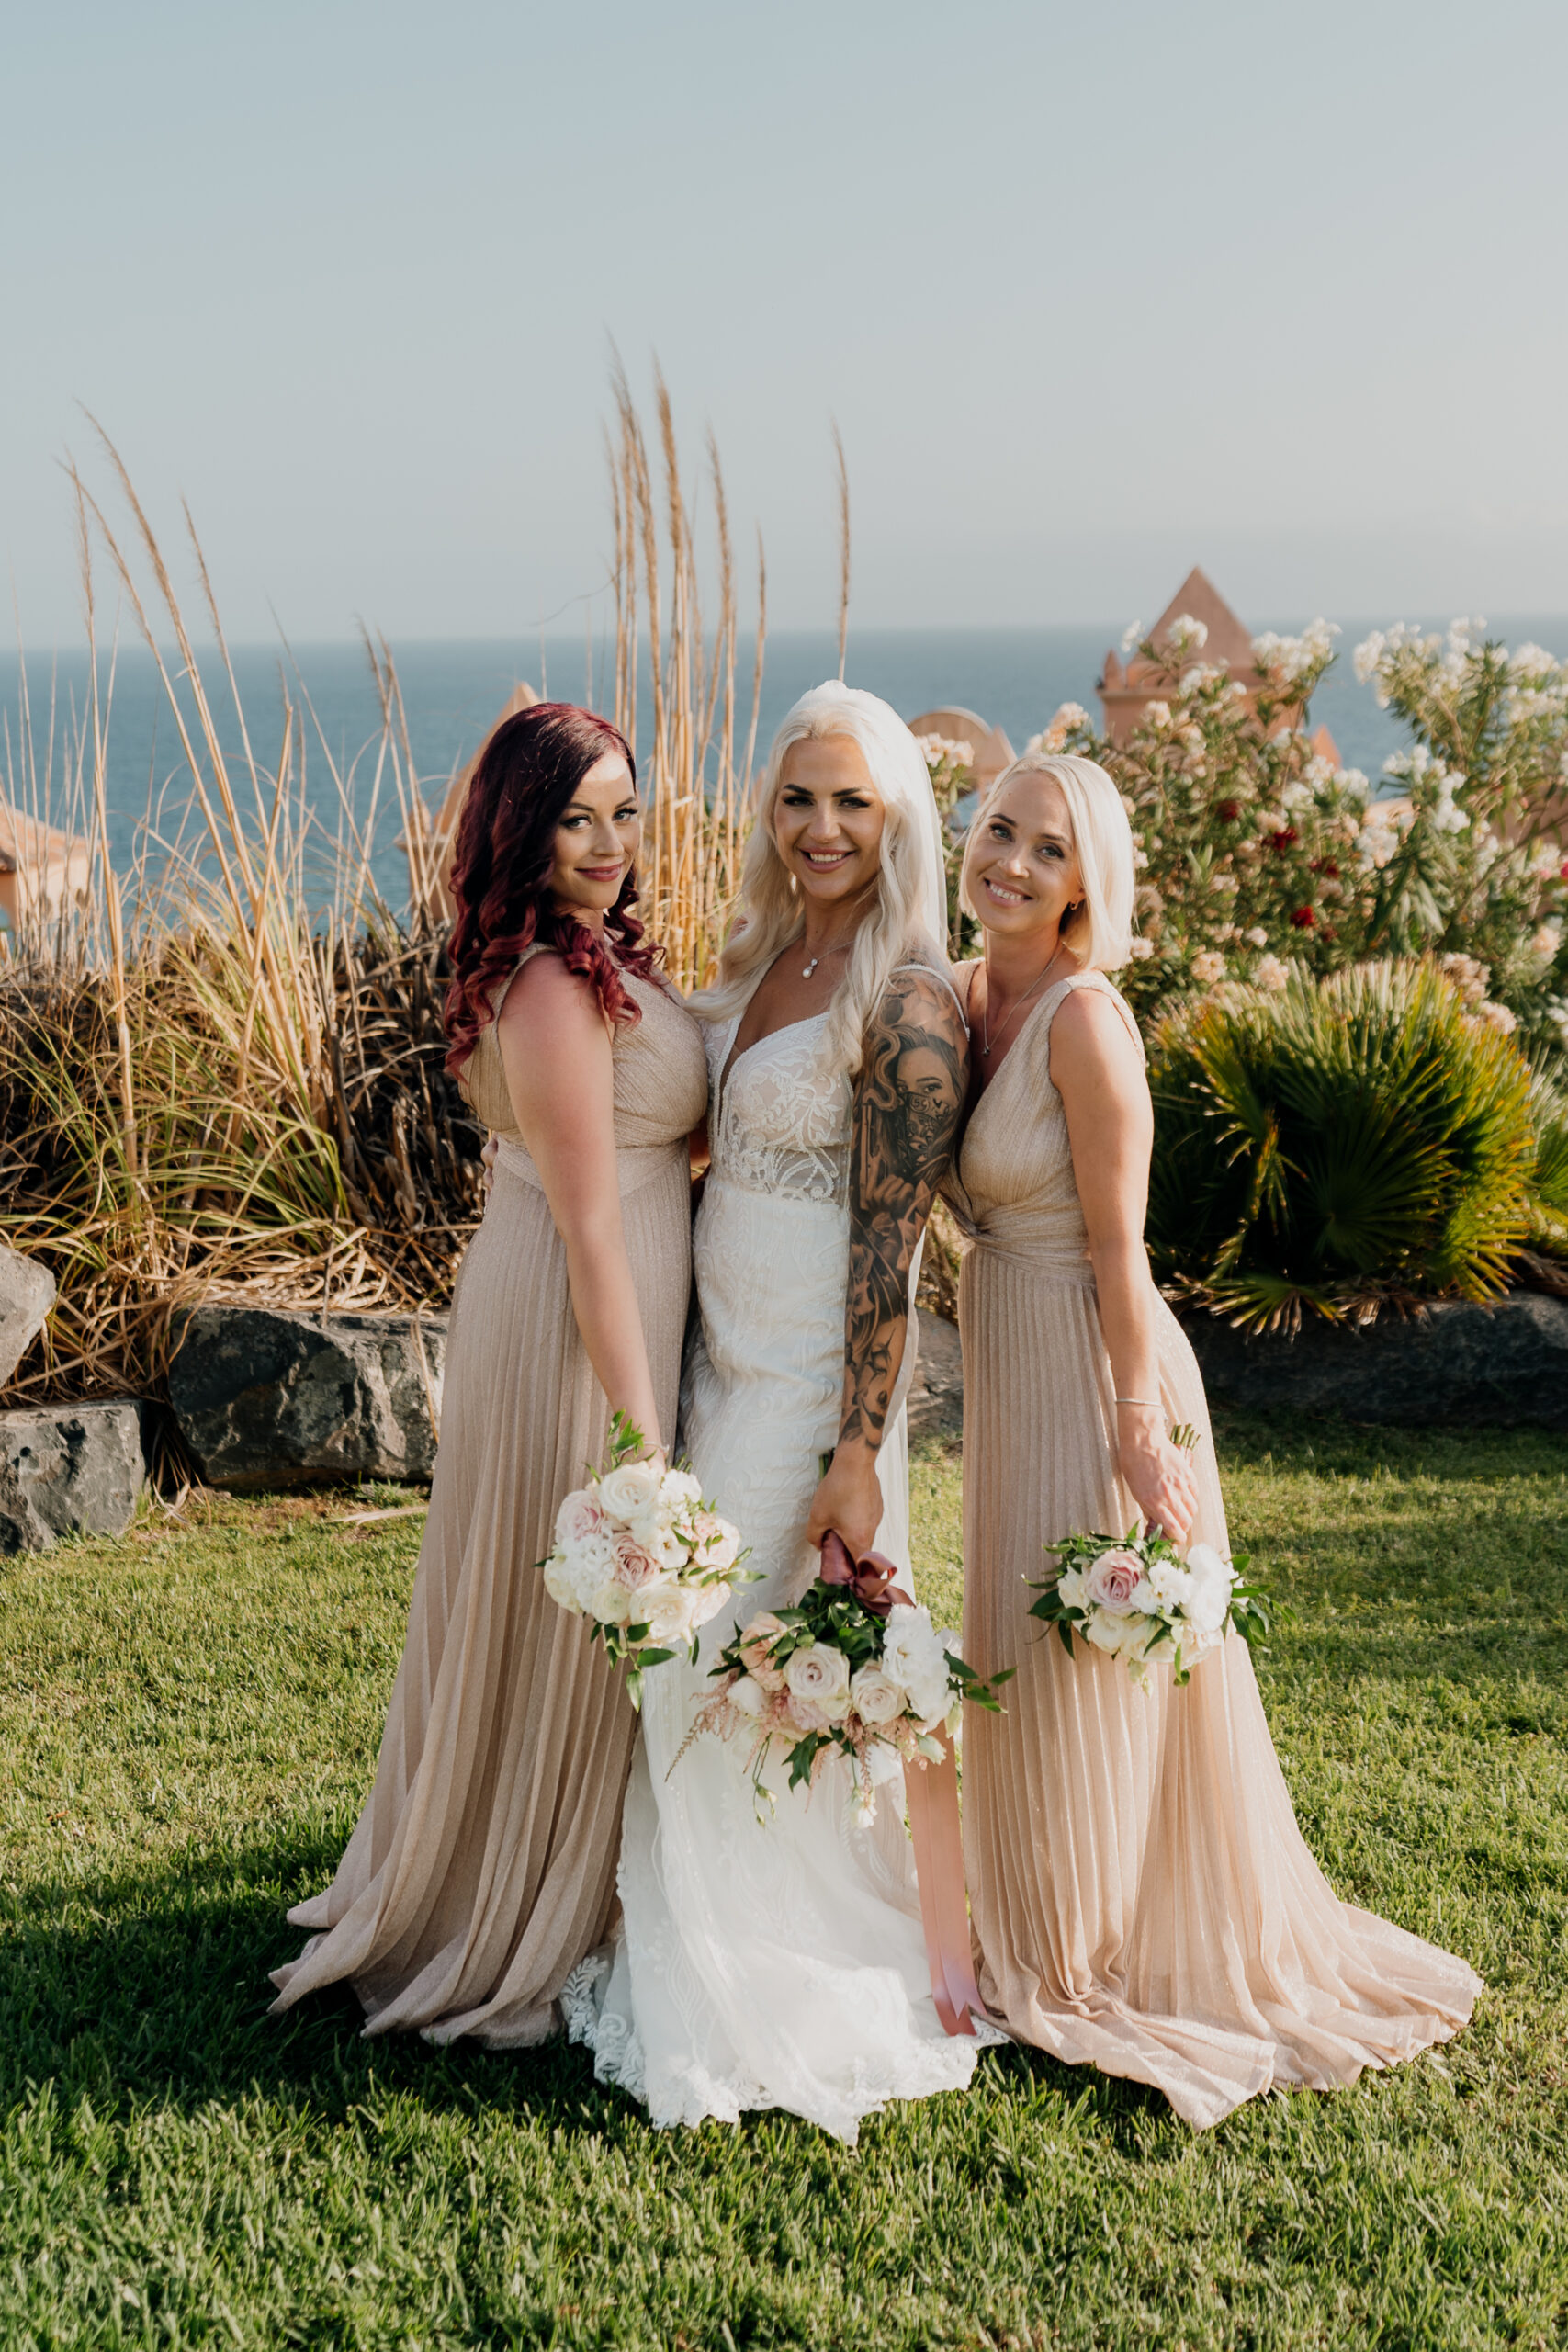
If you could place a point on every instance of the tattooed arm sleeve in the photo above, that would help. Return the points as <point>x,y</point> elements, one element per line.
<point>909,1097</point>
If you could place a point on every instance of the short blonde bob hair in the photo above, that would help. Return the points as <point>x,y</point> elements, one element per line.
<point>1099,929</point>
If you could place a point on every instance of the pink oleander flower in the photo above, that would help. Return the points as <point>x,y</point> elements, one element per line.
<point>1112,1581</point>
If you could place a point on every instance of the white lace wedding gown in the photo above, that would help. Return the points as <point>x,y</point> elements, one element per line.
<point>777,1964</point>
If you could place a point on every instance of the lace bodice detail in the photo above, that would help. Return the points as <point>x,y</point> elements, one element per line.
<point>781,1124</point>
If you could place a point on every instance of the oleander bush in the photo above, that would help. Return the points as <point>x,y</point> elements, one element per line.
<point>1337,1145</point>
<point>1261,858</point>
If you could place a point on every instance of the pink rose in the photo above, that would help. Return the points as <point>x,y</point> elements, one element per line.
<point>717,1544</point>
<point>1113,1580</point>
<point>579,1518</point>
<point>635,1565</point>
<point>756,1640</point>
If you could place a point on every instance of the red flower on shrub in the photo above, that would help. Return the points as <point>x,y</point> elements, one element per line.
<point>1285,839</point>
<point>1231,809</point>
<point>1326,866</point>
<point>1304,919</point>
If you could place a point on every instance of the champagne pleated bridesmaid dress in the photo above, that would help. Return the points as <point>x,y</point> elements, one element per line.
<point>1142,1899</point>
<point>483,1866</point>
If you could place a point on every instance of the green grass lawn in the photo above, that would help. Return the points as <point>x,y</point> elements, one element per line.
<point>187,1723</point>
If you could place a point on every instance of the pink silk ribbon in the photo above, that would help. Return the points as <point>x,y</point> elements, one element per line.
<point>930,1790</point>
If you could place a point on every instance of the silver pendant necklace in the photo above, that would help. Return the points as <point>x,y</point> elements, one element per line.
<point>987,1040</point>
<point>806,969</point>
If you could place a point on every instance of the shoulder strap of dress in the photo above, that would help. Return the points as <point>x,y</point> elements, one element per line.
<point>1056,996</point>
<point>538,947</point>
<point>931,972</point>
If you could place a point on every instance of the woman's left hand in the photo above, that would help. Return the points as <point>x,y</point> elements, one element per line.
<point>848,1501</point>
<point>1157,1475</point>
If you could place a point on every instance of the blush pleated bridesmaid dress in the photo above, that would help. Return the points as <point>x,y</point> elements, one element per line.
<point>483,1866</point>
<point>1142,1899</point>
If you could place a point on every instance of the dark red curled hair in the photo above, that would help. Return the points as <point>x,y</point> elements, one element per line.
<point>523,783</point>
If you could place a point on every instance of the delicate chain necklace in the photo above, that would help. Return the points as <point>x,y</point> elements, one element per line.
<point>987,1040</point>
<point>842,949</point>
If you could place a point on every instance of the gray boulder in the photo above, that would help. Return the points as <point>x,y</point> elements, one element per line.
<point>1499,1366</point>
<point>265,1397</point>
<point>68,1470</point>
<point>27,1294</point>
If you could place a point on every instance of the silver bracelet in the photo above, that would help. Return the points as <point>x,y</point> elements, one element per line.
<point>1152,1402</point>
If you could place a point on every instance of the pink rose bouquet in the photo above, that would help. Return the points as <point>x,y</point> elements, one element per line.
<point>1138,1599</point>
<point>857,1669</point>
<point>643,1556</point>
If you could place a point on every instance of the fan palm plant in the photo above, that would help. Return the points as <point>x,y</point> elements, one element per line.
<point>1341,1144</point>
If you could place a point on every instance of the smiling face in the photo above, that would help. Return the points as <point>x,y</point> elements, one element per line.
<point>596,840</point>
<point>1021,870</point>
<point>828,819</point>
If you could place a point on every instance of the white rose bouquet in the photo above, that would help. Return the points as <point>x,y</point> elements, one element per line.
<point>857,1667</point>
<point>640,1554</point>
<point>1136,1598</point>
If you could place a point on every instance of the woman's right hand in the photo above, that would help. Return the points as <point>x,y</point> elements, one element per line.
<point>1156,1473</point>
<point>487,1159</point>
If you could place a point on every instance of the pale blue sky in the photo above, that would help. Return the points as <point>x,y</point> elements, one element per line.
<point>1095,291</point>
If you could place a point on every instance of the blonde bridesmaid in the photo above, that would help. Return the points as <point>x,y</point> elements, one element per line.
<point>483,1865</point>
<point>1142,1899</point>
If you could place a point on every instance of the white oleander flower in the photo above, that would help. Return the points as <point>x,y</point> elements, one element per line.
<point>1157,714</point>
<point>1140,950</point>
<point>1271,974</point>
<point>1256,936</point>
<point>1498,1017</point>
<point>1187,634</point>
<point>1207,966</point>
<point>1131,635</point>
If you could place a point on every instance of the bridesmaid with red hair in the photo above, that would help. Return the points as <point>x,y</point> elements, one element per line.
<point>483,1866</point>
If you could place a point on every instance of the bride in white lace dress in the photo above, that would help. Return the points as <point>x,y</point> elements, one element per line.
<point>783,1964</point>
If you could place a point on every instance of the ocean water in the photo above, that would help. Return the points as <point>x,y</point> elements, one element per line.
<point>1012,678</point>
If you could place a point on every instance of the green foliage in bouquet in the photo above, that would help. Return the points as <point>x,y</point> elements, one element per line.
<point>1334,1145</point>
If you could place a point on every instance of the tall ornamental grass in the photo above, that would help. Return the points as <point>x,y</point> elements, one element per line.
<point>220,1069</point>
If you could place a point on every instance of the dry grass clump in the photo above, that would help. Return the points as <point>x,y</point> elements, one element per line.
<point>221,1072</point>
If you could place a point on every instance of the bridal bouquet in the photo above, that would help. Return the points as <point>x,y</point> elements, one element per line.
<point>1137,1598</point>
<point>856,1667</point>
<point>640,1554</point>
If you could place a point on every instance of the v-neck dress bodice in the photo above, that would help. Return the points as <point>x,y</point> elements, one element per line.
<point>777,1964</point>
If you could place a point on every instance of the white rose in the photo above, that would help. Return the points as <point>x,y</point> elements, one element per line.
<point>613,1605</point>
<point>820,1677</point>
<point>669,1615</point>
<point>655,1530</point>
<point>1113,1633</point>
<point>747,1698</point>
<point>707,1600</point>
<point>559,1582</point>
<point>680,1487</point>
<point>629,1489</point>
<point>874,1696</point>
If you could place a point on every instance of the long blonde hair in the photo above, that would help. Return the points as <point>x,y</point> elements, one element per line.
<point>911,913</point>
<point>1098,930</point>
